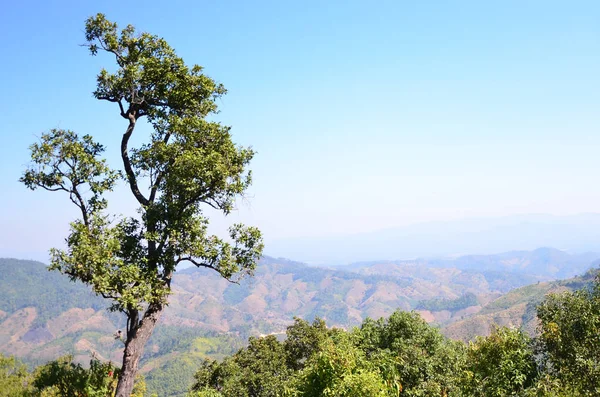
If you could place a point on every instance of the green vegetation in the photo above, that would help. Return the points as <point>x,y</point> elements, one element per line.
<point>62,378</point>
<point>263,304</point>
<point>20,288</point>
<point>188,164</point>
<point>570,336</point>
<point>381,358</point>
<point>516,308</point>
<point>404,356</point>
<point>501,364</point>
<point>175,354</point>
<point>14,378</point>
<point>396,356</point>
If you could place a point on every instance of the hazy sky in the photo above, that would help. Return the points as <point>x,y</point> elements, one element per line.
<point>365,114</point>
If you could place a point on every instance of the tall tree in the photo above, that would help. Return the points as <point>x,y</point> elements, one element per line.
<point>187,163</point>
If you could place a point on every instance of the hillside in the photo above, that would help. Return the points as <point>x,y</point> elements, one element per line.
<point>516,308</point>
<point>344,296</point>
<point>42,311</point>
<point>43,315</point>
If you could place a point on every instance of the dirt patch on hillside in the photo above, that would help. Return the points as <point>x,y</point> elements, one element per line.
<point>426,315</point>
<point>17,324</point>
<point>62,324</point>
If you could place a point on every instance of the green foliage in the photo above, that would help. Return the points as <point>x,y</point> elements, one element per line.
<point>258,370</point>
<point>175,376</point>
<point>501,364</point>
<point>185,353</point>
<point>303,340</point>
<point>171,339</point>
<point>188,163</point>
<point>382,358</point>
<point>549,386</point>
<point>534,293</point>
<point>14,378</point>
<point>340,368</point>
<point>265,367</point>
<point>63,377</point>
<point>570,336</point>
<point>425,361</point>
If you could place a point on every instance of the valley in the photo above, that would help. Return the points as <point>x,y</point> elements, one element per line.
<point>43,315</point>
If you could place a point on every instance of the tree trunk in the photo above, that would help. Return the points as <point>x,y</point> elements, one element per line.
<point>134,348</point>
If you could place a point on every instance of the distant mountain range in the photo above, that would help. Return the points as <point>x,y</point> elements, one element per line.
<point>573,233</point>
<point>43,315</point>
<point>38,308</point>
<point>549,263</point>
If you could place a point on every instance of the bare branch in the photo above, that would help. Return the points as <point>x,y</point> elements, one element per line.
<point>121,108</point>
<point>117,55</point>
<point>232,281</point>
<point>194,262</point>
<point>163,241</point>
<point>127,164</point>
<point>53,189</point>
<point>202,264</point>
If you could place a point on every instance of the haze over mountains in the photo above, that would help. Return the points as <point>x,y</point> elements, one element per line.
<point>574,233</point>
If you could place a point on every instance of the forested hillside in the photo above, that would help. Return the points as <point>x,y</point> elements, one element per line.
<point>516,308</point>
<point>45,315</point>
<point>43,312</point>
<point>400,355</point>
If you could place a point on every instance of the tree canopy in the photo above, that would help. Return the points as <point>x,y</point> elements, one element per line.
<point>187,164</point>
<point>402,355</point>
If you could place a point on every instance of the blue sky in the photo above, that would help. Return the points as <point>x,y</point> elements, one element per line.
<point>365,115</point>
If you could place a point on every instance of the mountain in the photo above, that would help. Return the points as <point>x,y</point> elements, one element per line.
<point>41,312</point>
<point>544,262</point>
<point>345,296</point>
<point>516,308</point>
<point>44,315</point>
<point>575,233</point>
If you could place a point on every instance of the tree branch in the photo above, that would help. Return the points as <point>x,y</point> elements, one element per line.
<point>52,189</point>
<point>127,163</point>
<point>202,264</point>
<point>193,261</point>
<point>109,99</point>
<point>108,296</point>
<point>161,174</point>
<point>80,205</point>
<point>74,191</point>
<point>122,109</point>
<point>163,240</point>
<point>117,55</point>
